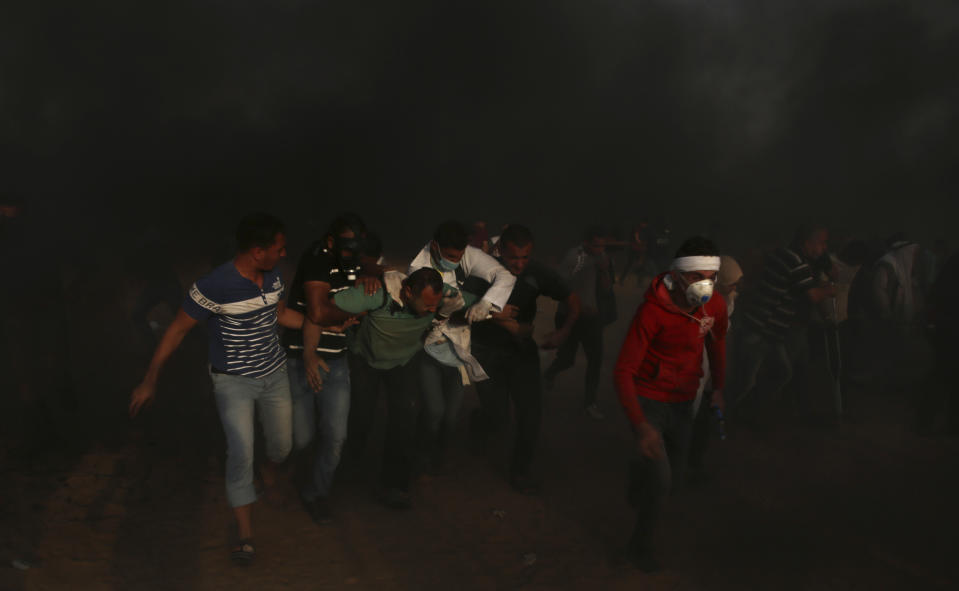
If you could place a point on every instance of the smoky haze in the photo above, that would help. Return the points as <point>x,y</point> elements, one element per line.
<point>181,115</point>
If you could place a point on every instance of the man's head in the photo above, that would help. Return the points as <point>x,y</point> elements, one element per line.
<point>594,241</point>
<point>263,238</point>
<point>694,269</point>
<point>812,239</point>
<point>515,248</point>
<point>345,236</point>
<point>449,244</point>
<point>422,291</point>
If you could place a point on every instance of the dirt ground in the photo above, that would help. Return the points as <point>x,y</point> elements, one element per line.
<point>141,506</point>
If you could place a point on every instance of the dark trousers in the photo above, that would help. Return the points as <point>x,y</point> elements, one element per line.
<point>760,369</point>
<point>651,481</point>
<point>514,374</point>
<point>587,331</point>
<point>700,431</point>
<point>402,403</point>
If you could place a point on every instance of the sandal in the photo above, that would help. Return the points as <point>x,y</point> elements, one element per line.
<point>243,554</point>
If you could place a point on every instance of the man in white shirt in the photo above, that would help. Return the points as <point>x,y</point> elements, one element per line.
<point>458,264</point>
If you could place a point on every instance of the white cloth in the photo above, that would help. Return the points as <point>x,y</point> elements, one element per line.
<point>393,282</point>
<point>475,263</point>
<point>449,343</point>
<point>688,264</point>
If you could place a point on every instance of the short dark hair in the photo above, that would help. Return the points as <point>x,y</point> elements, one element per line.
<point>697,246</point>
<point>516,235</point>
<point>423,278</point>
<point>451,234</point>
<point>346,221</point>
<point>258,229</point>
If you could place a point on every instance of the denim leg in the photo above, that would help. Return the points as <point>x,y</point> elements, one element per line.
<point>276,414</point>
<point>304,411</point>
<point>434,401</point>
<point>442,396</point>
<point>235,397</point>
<point>453,393</point>
<point>333,403</point>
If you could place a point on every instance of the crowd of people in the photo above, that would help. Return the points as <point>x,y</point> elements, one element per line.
<point>462,311</point>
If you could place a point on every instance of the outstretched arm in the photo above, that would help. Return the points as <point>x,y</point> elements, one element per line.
<point>144,393</point>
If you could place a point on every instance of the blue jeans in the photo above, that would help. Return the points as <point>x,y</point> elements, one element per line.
<point>442,388</point>
<point>333,405</point>
<point>236,399</point>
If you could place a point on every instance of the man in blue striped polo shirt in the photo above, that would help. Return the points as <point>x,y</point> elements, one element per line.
<point>241,302</point>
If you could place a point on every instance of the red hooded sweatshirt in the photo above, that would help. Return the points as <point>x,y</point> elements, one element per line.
<point>662,355</point>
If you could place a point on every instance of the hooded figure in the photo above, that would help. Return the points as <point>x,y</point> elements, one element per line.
<point>727,281</point>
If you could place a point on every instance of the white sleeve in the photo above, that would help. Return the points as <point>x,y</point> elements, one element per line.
<point>477,263</point>
<point>421,260</point>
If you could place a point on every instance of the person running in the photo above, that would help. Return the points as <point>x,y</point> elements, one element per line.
<point>459,264</point>
<point>658,374</point>
<point>589,272</point>
<point>316,356</point>
<point>241,303</point>
<point>505,348</point>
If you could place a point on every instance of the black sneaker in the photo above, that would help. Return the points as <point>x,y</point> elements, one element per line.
<point>395,498</point>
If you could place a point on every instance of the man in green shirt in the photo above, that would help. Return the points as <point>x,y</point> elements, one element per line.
<point>385,348</point>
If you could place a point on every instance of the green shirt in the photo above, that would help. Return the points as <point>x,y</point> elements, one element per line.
<point>391,334</point>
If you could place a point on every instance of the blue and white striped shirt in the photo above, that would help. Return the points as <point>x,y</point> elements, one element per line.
<point>242,320</point>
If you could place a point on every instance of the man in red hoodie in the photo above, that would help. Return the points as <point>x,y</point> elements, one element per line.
<point>657,376</point>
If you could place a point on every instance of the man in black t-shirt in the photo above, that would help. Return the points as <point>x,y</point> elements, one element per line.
<point>316,356</point>
<point>506,350</point>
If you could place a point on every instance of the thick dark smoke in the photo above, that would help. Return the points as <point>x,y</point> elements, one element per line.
<point>557,112</point>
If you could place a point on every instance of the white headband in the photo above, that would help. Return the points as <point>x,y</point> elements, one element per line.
<point>687,264</point>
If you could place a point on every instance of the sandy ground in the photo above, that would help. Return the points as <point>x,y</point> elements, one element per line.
<point>868,506</point>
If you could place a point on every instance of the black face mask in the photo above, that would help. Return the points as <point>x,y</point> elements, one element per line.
<point>351,247</point>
